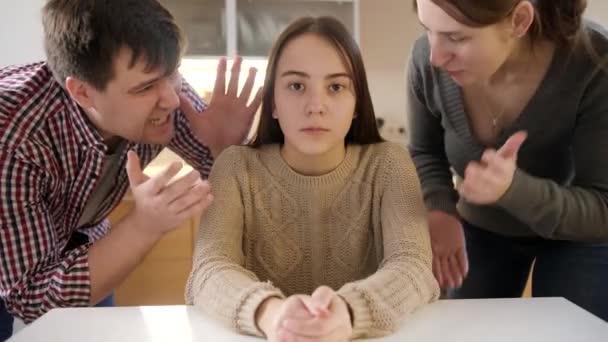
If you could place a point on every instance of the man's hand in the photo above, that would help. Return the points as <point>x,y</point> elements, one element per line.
<point>160,206</point>
<point>228,118</point>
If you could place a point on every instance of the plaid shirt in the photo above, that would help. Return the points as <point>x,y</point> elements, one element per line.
<point>50,162</point>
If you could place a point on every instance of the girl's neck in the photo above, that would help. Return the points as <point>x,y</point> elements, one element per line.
<point>313,165</point>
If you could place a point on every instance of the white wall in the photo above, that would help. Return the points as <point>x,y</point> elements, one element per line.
<point>598,10</point>
<point>388,30</point>
<point>20,32</point>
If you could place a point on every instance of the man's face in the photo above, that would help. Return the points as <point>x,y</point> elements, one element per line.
<point>137,105</point>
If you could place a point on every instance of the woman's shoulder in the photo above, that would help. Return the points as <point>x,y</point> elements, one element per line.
<point>422,76</point>
<point>598,35</point>
<point>421,52</point>
<point>594,48</point>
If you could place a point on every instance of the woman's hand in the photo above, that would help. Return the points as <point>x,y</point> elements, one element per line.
<point>450,262</point>
<point>485,182</point>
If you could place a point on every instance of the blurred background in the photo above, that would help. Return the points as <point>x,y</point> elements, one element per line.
<point>385,30</point>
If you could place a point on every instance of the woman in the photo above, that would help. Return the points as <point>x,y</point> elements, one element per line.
<point>318,230</point>
<point>512,95</point>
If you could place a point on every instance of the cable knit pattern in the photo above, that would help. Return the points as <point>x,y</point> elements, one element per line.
<point>360,229</point>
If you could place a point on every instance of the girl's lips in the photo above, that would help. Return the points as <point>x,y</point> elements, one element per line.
<point>314,130</point>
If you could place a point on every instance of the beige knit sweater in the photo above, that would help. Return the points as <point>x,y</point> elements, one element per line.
<point>360,229</point>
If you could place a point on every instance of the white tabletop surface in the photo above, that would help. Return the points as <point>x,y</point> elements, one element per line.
<point>473,320</point>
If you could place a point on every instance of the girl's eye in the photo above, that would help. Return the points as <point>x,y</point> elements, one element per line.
<point>336,87</point>
<point>296,86</point>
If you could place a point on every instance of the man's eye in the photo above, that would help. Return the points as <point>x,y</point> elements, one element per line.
<point>146,88</point>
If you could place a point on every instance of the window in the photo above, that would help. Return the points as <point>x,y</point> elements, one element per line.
<point>259,22</point>
<point>204,24</point>
<point>216,28</point>
<point>248,27</point>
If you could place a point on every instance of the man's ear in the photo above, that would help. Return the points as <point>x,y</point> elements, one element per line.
<point>80,91</point>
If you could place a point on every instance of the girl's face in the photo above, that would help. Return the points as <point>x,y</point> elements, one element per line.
<point>314,97</point>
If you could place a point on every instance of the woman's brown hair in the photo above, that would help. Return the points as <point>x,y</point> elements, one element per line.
<point>559,21</point>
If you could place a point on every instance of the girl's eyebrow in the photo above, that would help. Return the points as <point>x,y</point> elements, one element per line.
<point>303,74</point>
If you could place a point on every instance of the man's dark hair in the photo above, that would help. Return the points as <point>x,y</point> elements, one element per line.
<point>83,37</point>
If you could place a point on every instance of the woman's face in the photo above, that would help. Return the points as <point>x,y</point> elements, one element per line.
<point>467,54</point>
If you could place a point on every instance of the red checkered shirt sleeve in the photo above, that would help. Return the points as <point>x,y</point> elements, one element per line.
<point>35,276</point>
<point>185,143</point>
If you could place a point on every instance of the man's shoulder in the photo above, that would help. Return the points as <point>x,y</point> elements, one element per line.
<point>26,79</point>
<point>29,96</point>
<point>26,90</point>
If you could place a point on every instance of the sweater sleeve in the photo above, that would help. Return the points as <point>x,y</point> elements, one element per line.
<point>404,280</point>
<point>426,141</point>
<point>219,284</point>
<point>578,211</point>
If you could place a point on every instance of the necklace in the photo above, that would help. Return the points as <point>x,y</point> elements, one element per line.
<point>487,116</point>
<point>495,116</point>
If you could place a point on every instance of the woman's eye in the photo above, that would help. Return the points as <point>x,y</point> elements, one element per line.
<point>296,86</point>
<point>457,39</point>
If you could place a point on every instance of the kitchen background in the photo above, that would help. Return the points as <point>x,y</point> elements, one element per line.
<point>385,30</point>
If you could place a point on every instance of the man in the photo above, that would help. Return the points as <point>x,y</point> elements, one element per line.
<point>75,133</point>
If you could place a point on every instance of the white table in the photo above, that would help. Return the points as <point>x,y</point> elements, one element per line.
<point>487,320</point>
